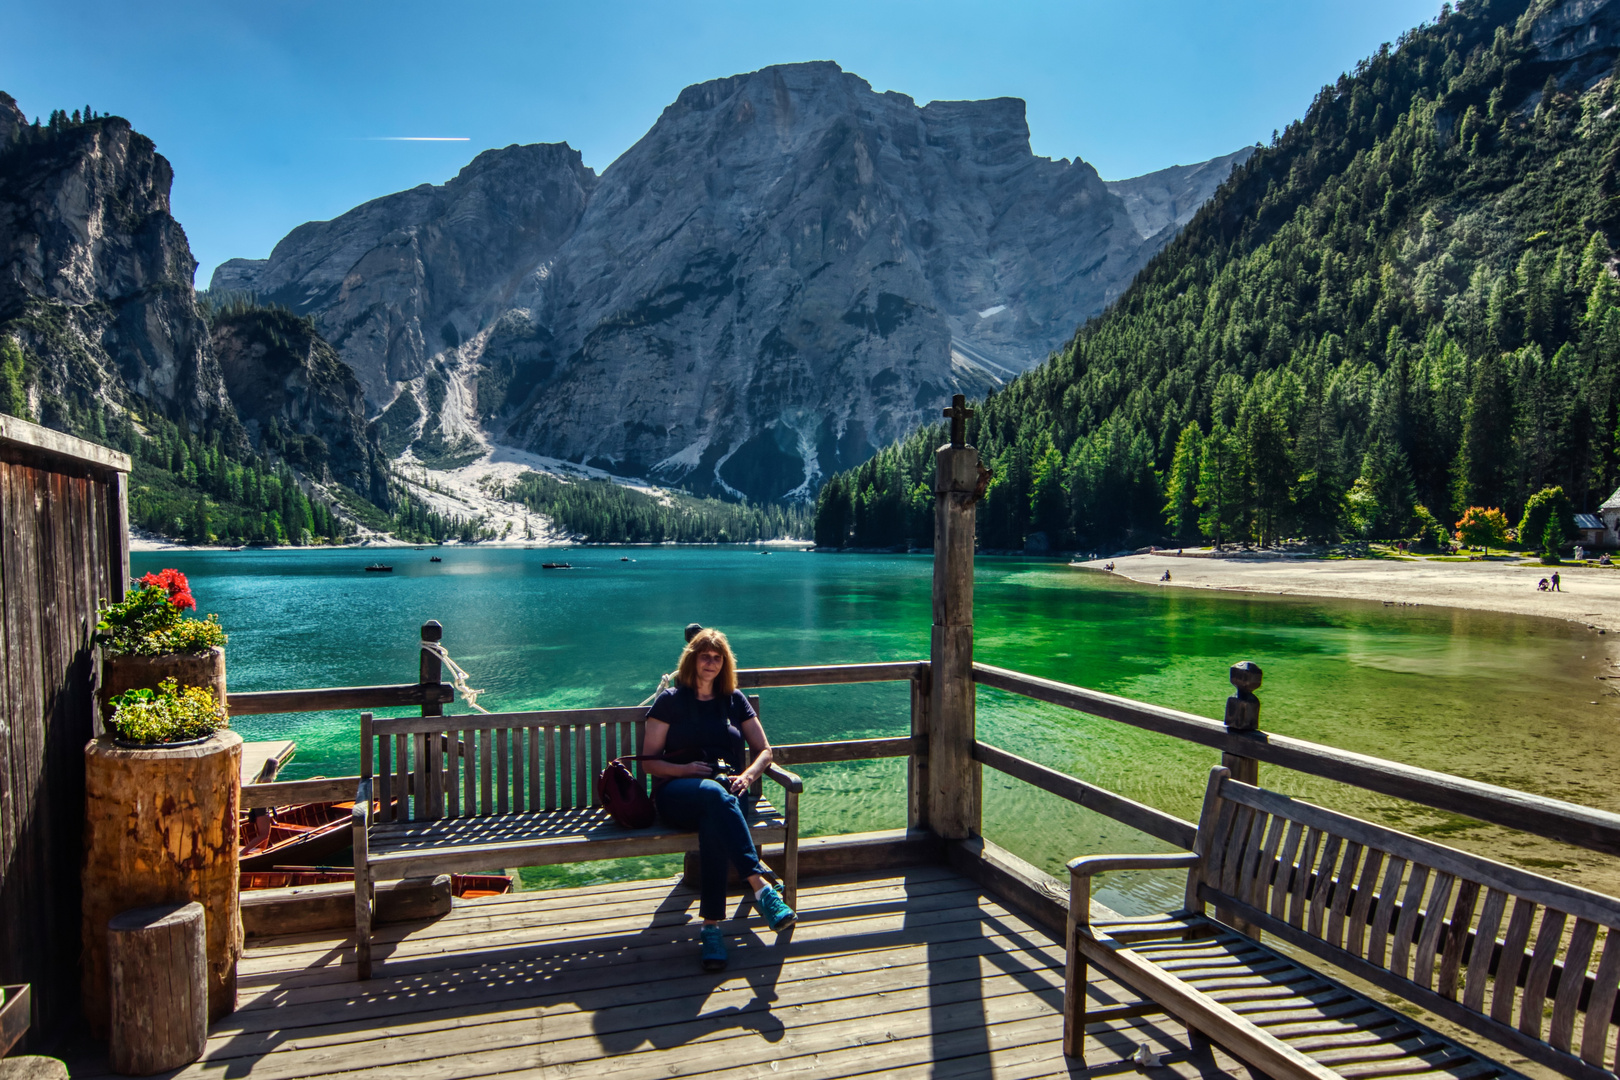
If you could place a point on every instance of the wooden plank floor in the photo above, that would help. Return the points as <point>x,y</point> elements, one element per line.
<point>917,974</point>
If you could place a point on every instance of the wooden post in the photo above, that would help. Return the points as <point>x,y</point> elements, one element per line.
<point>917,764</point>
<point>953,775</point>
<point>431,671</point>
<point>1243,714</point>
<point>160,828</point>
<point>157,974</point>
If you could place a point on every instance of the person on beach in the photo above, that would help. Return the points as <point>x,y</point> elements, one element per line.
<point>1555,587</point>
<point>1166,576</point>
<point>693,750</point>
<point>1542,586</point>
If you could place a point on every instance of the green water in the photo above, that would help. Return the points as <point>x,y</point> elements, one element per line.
<point>1507,699</point>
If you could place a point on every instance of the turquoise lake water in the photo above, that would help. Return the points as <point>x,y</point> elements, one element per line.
<point>1508,699</point>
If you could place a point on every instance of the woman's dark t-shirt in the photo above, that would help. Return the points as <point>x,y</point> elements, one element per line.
<point>702,730</point>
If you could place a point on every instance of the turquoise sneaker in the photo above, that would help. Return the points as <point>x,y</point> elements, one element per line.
<point>771,905</point>
<point>714,948</point>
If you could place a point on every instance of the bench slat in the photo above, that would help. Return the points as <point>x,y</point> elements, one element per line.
<point>1595,1029</point>
<point>1382,917</point>
<point>1299,894</point>
<point>1267,871</point>
<point>402,775</point>
<point>1434,923</point>
<point>1541,965</point>
<point>1462,917</point>
<point>1343,891</point>
<point>385,785</point>
<point>1366,894</point>
<point>534,769</point>
<point>1571,982</point>
<point>1284,884</point>
<point>1326,881</point>
<point>1479,964</point>
<point>1507,970</point>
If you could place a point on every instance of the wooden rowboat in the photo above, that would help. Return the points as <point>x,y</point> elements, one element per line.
<point>305,835</point>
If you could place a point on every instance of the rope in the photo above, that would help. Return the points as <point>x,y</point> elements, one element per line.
<point>458,676</point>
<point>664,683</point>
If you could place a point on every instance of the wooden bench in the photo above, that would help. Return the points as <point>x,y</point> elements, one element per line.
<point>498,790</point>
<point>1501,952</point>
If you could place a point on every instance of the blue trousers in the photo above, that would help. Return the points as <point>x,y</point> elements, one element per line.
<point>723,837</point>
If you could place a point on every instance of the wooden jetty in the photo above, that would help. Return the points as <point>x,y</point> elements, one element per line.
<point>927,950</point>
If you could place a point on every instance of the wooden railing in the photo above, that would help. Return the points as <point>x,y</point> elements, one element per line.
<point>429,694</point>
<point>1596,830</point>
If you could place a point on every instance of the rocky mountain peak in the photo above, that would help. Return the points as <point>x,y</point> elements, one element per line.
<point>786,272</point>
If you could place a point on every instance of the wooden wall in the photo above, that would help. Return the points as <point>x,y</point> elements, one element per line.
<point>63,547</point>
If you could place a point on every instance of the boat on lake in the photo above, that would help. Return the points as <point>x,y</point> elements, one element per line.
<point>379,568</point>
<point>435,559</point>
<point>302,835</point>
<point>555,566</point>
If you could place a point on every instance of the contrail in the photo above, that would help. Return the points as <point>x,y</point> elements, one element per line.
<point>418,138</point>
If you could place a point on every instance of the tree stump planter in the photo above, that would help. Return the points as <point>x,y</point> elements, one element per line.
<point>121,673</point>
<point>157,974</point>
<point>160,827</point>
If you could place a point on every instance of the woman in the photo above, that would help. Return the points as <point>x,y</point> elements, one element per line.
<point>693,751</point>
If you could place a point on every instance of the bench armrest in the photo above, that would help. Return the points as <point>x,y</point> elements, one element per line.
<point>1087,865</point>
<point>789,781</point>
<point>361,817</point>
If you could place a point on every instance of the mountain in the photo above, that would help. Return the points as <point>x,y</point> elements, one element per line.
<point>95,274</point>
<point>786,272</point>
<point>1404,307</point>
<point>1169,198</point>
<point>101,335</point>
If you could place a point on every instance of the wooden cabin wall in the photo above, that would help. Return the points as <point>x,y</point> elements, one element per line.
<point>63,547</point>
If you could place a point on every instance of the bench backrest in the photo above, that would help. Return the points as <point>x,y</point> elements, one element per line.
<point>480,764</point>
<point>1498,950</point>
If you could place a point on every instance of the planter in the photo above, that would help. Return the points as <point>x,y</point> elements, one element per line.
<point>161,827</point>
<point>121,673</point>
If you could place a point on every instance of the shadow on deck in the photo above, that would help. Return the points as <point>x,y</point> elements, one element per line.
<point>919,973</point>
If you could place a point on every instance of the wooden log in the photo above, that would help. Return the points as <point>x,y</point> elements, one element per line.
<point>121,673</point>
<point>157,975</point>
<point>953,776</point>
<point>160,827</point>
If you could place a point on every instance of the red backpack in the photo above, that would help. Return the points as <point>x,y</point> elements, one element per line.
<point>623,797</point>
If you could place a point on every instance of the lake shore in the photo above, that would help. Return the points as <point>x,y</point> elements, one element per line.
<point>1590,595</point>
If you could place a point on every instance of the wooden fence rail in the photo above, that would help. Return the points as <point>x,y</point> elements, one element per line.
<point>1166,827</point>
<point>1596,830</point>
<point>333,698</point>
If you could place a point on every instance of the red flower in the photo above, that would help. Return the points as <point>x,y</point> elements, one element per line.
<point>175,584</point>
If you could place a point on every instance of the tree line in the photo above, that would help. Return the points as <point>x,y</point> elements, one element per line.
<point>1404,307</point>
<point>600,511</point>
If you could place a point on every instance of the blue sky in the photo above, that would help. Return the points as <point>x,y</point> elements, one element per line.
<point>272,113</point>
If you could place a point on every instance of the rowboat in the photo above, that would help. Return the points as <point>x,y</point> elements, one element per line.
<point>379,568</point>
<point>304,835</point>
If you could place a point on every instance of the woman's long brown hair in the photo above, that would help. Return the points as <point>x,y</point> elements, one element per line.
<point>708,640</point>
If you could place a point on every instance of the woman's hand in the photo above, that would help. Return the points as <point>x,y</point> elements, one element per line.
<point>739,784</point>
<point>700,770</point>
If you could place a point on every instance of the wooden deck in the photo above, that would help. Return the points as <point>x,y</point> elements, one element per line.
<point>918,974</point>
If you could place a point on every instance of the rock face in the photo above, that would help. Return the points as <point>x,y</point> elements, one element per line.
<point>297,398</point>
<point>787,272</point>
<point>1169,198</point>
<point>95,274</point>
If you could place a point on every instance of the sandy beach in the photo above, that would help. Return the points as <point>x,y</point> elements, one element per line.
<point>1590,595</point>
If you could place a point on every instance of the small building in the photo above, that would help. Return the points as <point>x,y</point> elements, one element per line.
<point>1590,532</point>
<point>1609,515</point>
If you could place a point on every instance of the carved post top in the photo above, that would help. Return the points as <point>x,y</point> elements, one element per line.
<point>432,631</point>
<point>958,414</point>
<point>1246,676</point>
<point>1243,708</point>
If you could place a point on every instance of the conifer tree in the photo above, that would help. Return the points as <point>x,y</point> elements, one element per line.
<point>1181,487</point>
